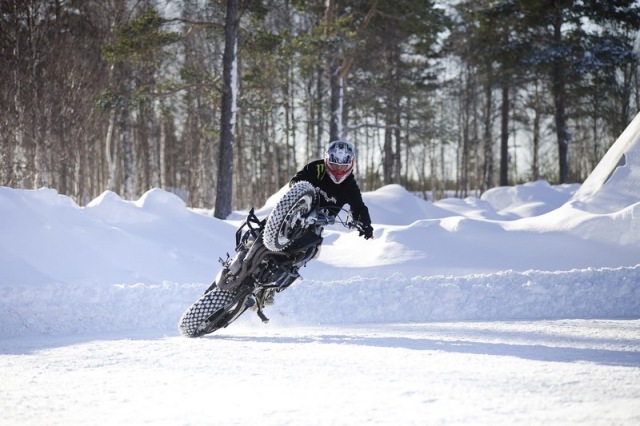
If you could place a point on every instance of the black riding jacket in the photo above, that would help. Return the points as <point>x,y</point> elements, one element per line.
<point>338,195</point>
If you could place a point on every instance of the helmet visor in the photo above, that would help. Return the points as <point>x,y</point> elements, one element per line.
<point>337,167</point>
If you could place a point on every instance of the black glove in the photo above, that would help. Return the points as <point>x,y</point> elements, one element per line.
<point>367,232</point>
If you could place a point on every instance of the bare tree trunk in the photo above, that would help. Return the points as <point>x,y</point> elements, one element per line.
<point>465,143</point>
<point>109,155</point>
<point>155,147</point>
<point>504,137</point>
<point>537,107</point>
<point>319,118</point>
<point>398,154</point>
<point>20,123</point>
<point>241,180</point>
<point>128,155</point>
<point>388,158</point>
<point>488,138</point>
<point>535,165</point>
<point>558,89</point>
<point>339,65</point>
<point>337,93</point>
<point>335,106</point>
<point>227,116</point>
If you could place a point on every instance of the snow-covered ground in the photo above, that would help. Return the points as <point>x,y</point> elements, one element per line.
<point>522,306</point>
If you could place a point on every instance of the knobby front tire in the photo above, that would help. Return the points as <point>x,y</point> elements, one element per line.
<point>281,230</point>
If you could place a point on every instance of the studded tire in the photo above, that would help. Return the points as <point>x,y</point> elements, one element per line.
<point>195,321</point>
<point>281,229</point>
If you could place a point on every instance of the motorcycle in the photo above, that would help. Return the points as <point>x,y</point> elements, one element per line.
<point>269,254</point>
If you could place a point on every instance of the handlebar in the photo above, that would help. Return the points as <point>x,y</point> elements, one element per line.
<point>355,224</point>
<point>324,218</point>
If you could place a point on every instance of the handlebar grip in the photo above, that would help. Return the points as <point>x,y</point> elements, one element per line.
<point>355,224</point>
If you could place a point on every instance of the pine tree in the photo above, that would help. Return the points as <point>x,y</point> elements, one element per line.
<point>565,36</point>
<point>224,192</point>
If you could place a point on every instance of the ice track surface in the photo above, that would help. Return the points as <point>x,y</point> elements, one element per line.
<point>537,372</point>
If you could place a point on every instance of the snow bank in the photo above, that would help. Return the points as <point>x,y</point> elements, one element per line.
<point>47,238</point>
<point>60,309</point>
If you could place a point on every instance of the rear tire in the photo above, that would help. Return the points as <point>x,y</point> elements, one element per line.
<point>193,322</point>
<point>281,227</point>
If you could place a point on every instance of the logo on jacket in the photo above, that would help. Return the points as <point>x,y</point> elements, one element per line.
<point>327,197</point>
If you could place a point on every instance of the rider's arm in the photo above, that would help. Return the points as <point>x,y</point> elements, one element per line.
<point>360,212</point>
<point>358,208</point>
<point>308,173</point>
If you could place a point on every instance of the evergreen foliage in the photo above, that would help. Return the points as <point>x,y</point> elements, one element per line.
<point>437,96</point>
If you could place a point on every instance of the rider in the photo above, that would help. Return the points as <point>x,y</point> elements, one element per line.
<point>334,177</point>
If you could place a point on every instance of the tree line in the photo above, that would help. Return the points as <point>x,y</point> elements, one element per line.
<point>221,101</point>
